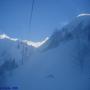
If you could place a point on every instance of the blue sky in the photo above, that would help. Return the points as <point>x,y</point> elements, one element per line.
<point>47,16</point>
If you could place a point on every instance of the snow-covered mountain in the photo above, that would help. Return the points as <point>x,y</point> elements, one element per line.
<point>11,48</point>
<point>77,28</point>
<point>14,53</point>
<point>61,63</point>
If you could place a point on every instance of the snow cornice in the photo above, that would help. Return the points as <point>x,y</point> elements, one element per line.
<point>29,43</point>
<point>83,14</point>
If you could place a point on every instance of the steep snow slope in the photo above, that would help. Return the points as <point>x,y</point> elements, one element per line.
<point>53,70</point>
<point>63,62</point>
<point>79,27</point>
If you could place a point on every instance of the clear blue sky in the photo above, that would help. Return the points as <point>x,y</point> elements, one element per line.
<point>47,15</point>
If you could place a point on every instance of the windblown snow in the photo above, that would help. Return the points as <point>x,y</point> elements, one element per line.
<point>61,62</point>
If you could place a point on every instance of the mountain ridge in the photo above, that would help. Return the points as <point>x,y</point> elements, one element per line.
<point>64,63</point>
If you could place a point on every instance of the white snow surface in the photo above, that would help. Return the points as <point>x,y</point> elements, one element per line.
<point>61,63</point>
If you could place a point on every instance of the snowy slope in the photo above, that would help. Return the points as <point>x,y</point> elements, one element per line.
<point>13,54</point>
<point>52,70</point>
<point>11,48</point>
<point>77,28</point>
<point>15,49</point>
<point>63,62</point>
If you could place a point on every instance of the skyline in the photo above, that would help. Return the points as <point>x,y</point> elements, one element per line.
<point>47,16</point>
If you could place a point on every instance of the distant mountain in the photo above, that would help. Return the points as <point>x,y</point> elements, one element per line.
<point>61,63</point>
